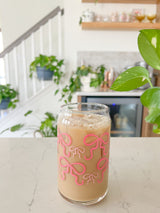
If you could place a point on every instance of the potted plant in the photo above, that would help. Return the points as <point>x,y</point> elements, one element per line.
<point>149,47</point>
<point>84,77</point>
<point>47,67</point>
<point>47,128</point>
<point>7,97</point>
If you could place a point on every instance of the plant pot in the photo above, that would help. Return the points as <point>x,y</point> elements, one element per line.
<point>86,84</point>
<point>4,103</point>
<point>44,74</point>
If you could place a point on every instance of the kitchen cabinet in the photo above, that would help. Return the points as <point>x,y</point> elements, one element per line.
<point>121,25</point>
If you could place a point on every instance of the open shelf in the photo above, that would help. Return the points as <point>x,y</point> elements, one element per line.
<point>118,26</point>
<point>122,1</point>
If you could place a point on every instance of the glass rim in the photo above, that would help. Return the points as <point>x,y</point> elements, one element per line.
<point>102,107</point>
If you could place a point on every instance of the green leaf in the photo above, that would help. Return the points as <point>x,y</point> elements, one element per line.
<point>56,91</point>
<point>0,98</point>
<point>16,127</point>
<point>156,129</point>
<point>131,79</point>
<point>153,116</point>
<point>80,20</point>
<point>60,63</point>
<point>10,105</point>
<point>28,113</point>
<point>151,98</point>
<point>69,98</point>
<point>94,82</point>
<point>50,116</point>
<point>149,47</point>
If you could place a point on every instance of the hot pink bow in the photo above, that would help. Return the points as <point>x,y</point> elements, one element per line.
<point>64,142</point>
<point>70,168</point>
<point>102,165</point>
<point>99,142</point>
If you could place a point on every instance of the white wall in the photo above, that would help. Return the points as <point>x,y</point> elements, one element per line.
<point>17,16</point>
<point>103,40</point>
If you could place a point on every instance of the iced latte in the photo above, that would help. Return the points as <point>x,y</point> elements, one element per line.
<point>83,152</point>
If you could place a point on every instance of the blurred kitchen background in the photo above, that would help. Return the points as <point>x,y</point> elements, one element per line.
<point>107,35</point>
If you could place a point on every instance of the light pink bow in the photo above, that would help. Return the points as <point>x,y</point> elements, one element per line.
<point>90,178</point>
<point>77,150</point>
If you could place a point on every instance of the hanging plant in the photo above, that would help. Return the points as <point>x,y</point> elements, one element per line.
<point>8,97</point>
<point>47,67</point>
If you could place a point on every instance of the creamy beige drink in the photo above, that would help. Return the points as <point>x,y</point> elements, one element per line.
<point>83,155</point>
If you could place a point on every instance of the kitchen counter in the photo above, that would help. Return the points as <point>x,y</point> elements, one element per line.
<point>133,93</point>
<point>28,177</point>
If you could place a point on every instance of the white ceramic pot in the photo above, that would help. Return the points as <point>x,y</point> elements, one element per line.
<point>88,16</point>
<point>85,80</point>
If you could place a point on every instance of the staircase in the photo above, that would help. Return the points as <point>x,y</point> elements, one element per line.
<point>45,37</point>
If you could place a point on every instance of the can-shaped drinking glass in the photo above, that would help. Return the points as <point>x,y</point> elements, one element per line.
<point>83,152</point>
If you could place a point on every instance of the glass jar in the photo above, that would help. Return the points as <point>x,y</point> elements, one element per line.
<point>83,152</point>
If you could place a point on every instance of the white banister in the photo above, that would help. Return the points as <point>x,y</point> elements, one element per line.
<point>41,48</point>
<point>33,56</point>
<point>6,62</point>
<point>24,69</point>
<point>59,35</point>
<point>16,67</point>
<point>1,114</point>
<point>50,36</point>
<point>2,71</point>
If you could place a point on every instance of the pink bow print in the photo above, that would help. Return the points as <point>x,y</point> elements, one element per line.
<point>70,168</point>
<point>77,150</point>
<point>64,142</point>
<point>99,142</point>
<point>103,167</point>
<point>90,177</point>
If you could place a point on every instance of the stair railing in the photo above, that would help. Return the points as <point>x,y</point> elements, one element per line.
<point>45,37</point>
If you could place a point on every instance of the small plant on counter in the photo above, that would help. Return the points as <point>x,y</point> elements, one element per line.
<point>149,47</point>
<point>47,128</point>
<point>47,67</point>
<point>75,82</point>
<point>8,97</point>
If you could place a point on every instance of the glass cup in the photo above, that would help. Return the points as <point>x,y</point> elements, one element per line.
<point>140,16</point>
<point>151,17</point>
<point>83,152</point>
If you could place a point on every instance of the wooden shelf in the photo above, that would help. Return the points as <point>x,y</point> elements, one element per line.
<point>118,26</point>
<point>122,1</point>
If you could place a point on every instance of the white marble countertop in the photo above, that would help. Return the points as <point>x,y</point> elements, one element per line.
<point>28,177</point>
<point>134,93</point>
